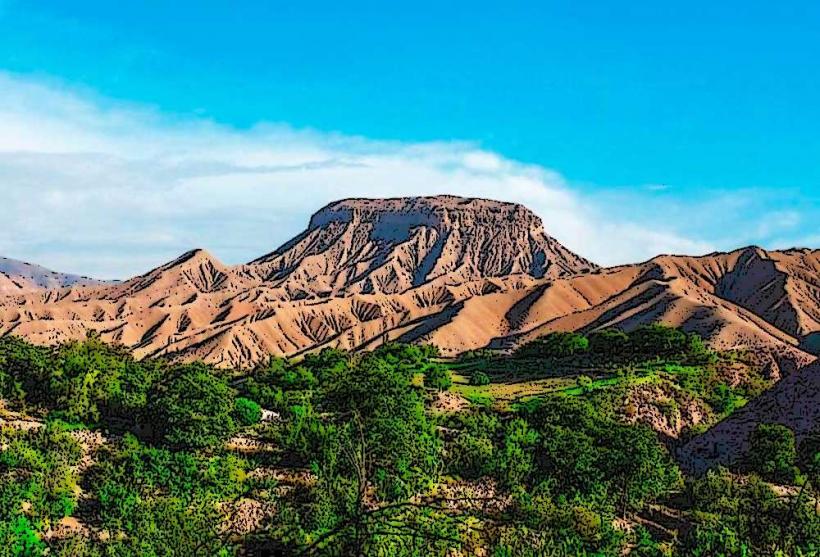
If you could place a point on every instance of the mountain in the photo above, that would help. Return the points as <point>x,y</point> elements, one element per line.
<point>16,276</point>
<point>765,301</point>
<point>388,246</point>
<point>459,273</point>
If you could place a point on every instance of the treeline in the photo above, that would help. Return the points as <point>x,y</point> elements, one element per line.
<point>614,346</point>
<point>381,472</point>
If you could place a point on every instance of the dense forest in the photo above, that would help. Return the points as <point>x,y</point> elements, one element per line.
<point>395,452</point>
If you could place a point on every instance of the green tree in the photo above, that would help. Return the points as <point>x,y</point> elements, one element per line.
<point>556,345</point>
<point>437,377</point>
<point>738,517</point>
<point>772,452</point>
<point>637,465</point>
<point>24,371</point>
<point>192,407</point>
<point>86,378</point>
<point>340,517</point>
<point>611,344</point>
<point>247,412</point>
<point>808,454</point>
<point>479,379</point>
<point>402,443</point>
<point>659,340</point>
<point>588,454</point>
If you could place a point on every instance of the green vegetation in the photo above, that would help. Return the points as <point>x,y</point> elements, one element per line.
<point>609,364</point>
<point>437,377</point>
<point>548,453</point>
<point>773,452</point>
<point>247,412</point>
<point>556,345</point>
<point>479,379</point>
<point>652,342</point>
<point>191,407</point>
<point>745,516</point>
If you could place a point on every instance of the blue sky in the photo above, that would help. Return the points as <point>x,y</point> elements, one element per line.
<point>690,126</point>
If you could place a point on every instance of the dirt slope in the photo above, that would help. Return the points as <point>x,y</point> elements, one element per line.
<point>750,298</point>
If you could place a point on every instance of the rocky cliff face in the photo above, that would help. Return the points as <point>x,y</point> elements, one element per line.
<point>389,246</point>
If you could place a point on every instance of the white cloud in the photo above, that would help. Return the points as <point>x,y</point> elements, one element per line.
<point>778,221</point>
<point>110,189</point>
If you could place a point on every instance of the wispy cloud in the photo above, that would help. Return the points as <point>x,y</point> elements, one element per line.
<point>110,189</point>
<point>778,222</point>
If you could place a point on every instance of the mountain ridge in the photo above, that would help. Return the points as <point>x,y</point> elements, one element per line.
<point>456,272</point>
<point>18,276</point>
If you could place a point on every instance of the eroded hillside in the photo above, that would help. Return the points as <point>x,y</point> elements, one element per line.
<point>459,273</point>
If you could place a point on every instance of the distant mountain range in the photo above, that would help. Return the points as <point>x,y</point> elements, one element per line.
<point>459,273</point>
<point>19,276</point>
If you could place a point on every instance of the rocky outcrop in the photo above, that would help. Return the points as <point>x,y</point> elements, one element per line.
<point>389,246</point>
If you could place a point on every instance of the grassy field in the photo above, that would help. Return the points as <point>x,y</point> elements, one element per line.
<point>503,394</point>
<point>517,381</point>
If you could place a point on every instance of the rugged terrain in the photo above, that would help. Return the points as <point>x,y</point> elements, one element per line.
<point>459,273</point>
<point>793,402</point>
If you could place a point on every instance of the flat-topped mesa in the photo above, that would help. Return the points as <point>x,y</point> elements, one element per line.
<point>404,213</point>
<point>392,245</point>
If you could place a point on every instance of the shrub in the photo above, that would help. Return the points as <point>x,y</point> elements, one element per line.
<point>169,526</point>
<point>515,460</point>
<point>723,399</point>
<point>476,355</point>
<point>471,456</point>
<point>247,412</point>
<point>20,538</point>
<point>479,378</point>
<point>437,377</point>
